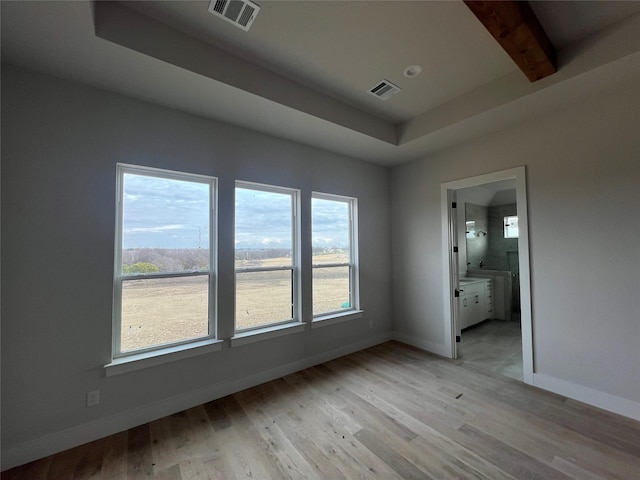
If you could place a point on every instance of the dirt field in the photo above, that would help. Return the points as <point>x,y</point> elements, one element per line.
<point>172,309</point>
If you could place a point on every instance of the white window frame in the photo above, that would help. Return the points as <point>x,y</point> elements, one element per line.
<point>178,346</point>
<point>354,290</point>
<point>272,328</point>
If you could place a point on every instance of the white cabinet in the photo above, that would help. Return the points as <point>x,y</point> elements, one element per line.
<point>476,301</point>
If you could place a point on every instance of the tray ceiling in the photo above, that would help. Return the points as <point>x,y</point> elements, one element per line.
<point>304,69</point>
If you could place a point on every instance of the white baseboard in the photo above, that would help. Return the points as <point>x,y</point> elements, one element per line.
<point>596,398</point>
<point>88,432</point>
<point>423,344</point>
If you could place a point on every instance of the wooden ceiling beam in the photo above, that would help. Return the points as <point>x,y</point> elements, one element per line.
<point>517,29</point>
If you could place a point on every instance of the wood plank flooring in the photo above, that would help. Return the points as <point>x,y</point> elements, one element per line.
<point>388,412</point>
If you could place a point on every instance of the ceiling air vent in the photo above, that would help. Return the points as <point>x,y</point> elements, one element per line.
<point>241,13</point>
<point>384,90</point>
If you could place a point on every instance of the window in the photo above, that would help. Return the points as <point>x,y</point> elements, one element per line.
<point>510,227</point>
<point>334,243</point>
<point>266,256</point>
<point>470,229</point>
<point>164,280</point>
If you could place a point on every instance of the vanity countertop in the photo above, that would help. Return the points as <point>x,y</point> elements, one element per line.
<point>468,280</point>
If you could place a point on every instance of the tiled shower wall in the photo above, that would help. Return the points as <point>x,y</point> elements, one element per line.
<point>492,249</point>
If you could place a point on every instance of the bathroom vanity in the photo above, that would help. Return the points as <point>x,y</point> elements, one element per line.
<point>476,300</point>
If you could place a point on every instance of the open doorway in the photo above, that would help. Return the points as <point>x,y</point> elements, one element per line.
<point>486,278</point>
<point>489,301</point>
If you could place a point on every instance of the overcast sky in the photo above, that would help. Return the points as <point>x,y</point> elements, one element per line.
<point>163,213</point>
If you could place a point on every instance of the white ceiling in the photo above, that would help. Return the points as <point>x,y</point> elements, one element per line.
<point>345,48</point>
<point>303,70</point>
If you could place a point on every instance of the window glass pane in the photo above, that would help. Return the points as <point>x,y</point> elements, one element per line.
<point>163,310</point>
<point>471,229</point>
<point>510,227</point>
<point>264,228</point>
<point>330,231</point>
<point>165,225</point>
<point>331,290</point>
<point>263,298</point>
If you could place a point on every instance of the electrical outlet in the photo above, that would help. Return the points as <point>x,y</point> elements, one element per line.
<point>370,323</point>
<point>93,398</point>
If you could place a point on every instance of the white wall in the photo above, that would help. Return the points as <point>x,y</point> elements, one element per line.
<point>60,145</point>
<point>583,174</point>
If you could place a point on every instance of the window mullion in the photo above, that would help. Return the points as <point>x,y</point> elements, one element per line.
<point>163,275</point>
<point>262,269</point>
<point>329,265</point>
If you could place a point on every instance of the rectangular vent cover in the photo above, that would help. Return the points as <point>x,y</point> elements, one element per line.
<point>384,90</point>
<point>241,13</point>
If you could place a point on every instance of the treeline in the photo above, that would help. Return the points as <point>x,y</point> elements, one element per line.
<point>166,259</point>
<point>143,260</point>
<point>250,254</point>
<point>327,250</point>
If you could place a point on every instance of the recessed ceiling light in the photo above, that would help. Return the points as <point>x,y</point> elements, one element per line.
<point>412,71</point>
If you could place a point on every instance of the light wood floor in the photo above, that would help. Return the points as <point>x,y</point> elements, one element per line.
<point>384,413</point>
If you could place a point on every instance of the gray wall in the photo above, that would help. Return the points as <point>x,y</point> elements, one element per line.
<point>583,179</point>
<point>60,145</point>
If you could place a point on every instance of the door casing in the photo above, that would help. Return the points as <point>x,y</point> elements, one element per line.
<point>450,258</point>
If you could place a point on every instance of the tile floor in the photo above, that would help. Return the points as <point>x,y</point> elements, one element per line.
<point>495,345</point>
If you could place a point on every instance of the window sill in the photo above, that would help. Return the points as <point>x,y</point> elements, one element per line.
<point>266,333</point>
<point>131,363</point>
<point>334,318</point>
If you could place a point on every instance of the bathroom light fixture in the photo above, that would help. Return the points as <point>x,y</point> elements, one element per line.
<point>412,71</point>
